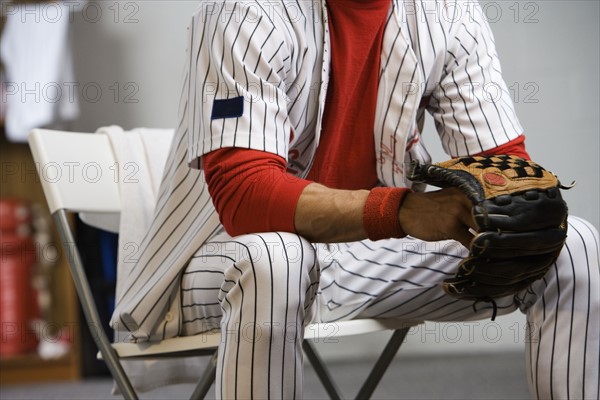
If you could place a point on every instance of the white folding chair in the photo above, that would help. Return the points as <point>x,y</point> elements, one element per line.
<point>74,172</point>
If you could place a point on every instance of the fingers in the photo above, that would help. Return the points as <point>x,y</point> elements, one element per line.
<point>464,215</point>
<point>440,215</point>
<point>459,206</point>
<point>467,219</point>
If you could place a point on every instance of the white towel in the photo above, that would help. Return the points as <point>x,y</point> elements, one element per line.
<point>141,156</point>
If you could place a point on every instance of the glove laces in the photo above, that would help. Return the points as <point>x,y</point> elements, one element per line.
<point>494,306</point>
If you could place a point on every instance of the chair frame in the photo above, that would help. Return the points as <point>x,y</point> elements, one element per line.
<point>202,344</point>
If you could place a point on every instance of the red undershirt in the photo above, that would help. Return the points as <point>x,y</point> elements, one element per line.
<point>356,30</point>
<point>252,191</point>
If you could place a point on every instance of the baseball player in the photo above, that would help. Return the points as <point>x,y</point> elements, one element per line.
<point>285,198</point>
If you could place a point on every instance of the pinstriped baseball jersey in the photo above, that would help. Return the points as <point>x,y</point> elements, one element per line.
<point>256,77</point>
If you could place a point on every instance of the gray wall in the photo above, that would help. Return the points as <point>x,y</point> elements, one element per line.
<point>550,56</point>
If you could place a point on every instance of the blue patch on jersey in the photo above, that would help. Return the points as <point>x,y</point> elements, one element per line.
<point>228,108</point>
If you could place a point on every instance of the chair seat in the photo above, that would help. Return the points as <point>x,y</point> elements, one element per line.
<point>206,342</point>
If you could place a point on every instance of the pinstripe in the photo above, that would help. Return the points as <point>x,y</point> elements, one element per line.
<point>295,101</point>
<point>388,108</point>
<point>348,289</point>
<point>222,62</point>
<point>537,365</point>
<point>266,40</point>
<point>190,84</point>
<point>349,313</point>
<point>223,350</point>
<point>589,290</point>
<point>468,114</point>
<point>454,57</point>
<point>250,39</point>
<point>373,278</point>
<point>274,122</point>
<point>554,334</point>
<point>487,122</point>
<point>256,302</point>
<point>417,41</point>
<point>429,34</point>
<point>237,361</point>
<point>529,354</point>
<point>573,298</point>
<point>197,138</point>
<point>494,103</point>
<point>462,46</point>
<point>271,321</point>
<point>298,321</point>
<point>452,131</point>
<point>235,39</point>
<point>404,102</point>
<point>385,63</point>
<point>510,120</point>
<point>168,172</point>
<point>250,123</point>
<point>285,319</point>
<point>171,171</point>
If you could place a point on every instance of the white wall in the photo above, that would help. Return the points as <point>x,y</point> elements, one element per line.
<point>549,50</point>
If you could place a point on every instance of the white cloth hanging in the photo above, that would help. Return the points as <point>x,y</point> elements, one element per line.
<point>39,88</point>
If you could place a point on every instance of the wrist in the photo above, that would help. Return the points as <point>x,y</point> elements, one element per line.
<point>380,215</point>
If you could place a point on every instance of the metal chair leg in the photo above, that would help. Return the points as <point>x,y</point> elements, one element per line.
<point>324,376</point>
<point>388,354</point>
<point>87,304</point>
<point>207,379</point>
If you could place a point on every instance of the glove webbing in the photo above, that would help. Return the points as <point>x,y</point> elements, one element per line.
<point>522,168</point>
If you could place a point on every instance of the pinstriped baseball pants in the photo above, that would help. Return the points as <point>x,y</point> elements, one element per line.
<point>261,290</point>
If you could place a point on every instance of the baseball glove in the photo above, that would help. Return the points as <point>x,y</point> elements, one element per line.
<point>521,219</point>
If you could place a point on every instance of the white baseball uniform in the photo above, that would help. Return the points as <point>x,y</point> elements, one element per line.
<point>258,71</point>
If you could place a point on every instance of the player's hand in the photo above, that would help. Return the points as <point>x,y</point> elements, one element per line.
<point>440,215</point>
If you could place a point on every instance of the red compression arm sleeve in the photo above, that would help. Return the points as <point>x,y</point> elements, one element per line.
<point>515,147</point>
<point>252,191</point>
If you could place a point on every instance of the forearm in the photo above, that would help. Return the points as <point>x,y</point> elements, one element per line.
<point>253,193</point>
<point>327,215</point>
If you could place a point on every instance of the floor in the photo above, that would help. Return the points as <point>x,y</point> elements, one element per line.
<point>450,377</point>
